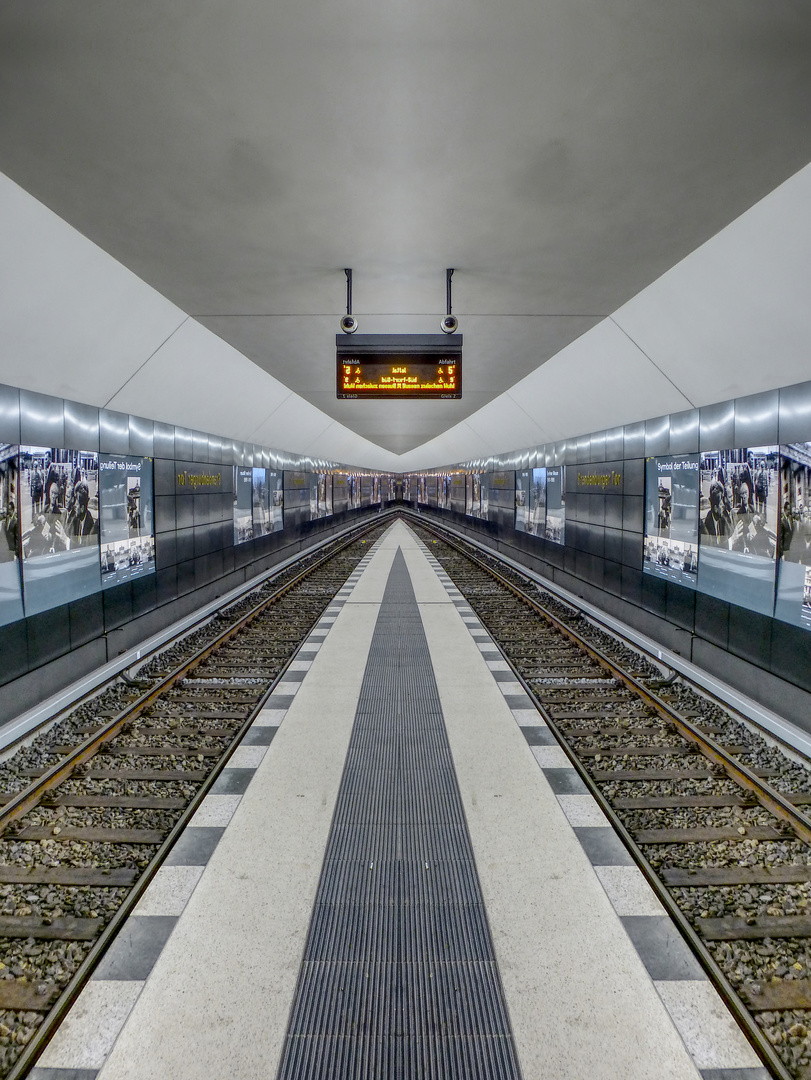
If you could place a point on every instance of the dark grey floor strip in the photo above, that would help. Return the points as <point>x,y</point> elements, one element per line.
<point>399,978</point>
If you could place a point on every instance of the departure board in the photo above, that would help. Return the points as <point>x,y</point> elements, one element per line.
<point>422,366</point>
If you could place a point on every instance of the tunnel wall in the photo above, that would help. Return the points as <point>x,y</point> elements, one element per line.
<point>196,558</point>
<point>602,557</point>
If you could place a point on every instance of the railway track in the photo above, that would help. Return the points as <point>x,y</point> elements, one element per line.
<point>90,807</point>
<point>714,813</point>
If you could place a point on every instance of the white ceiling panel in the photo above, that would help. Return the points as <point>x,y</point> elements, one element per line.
<point>338,443</point>
<point>601,380</point>
<point>734,317</point>
<point>505,425</point>
<point>196,380</point>
<point>73,322</point>
<point>461,443</point>
<point>294,425</point>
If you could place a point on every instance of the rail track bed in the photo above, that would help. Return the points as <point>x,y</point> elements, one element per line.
<point>90,807</point>
<point>714,812</point>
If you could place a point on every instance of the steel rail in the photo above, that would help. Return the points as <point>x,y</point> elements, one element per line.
<point>50,1023</point>
<point>741,774</point>
<point>60,771</point>
<point>53,1018</point>
<point>774,801</point>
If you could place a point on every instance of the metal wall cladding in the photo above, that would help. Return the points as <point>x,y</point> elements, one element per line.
<point>193,521</point>
<point>756,420</point>
<point>684,432</point>
<point>184,444</point>
<point>607,526</point>
<point>82,427</point>
<point>795,413</point>
<point>114,432</point>
<point>9,414</point>
<point>42,420</point>
<point>163,440</point>
<point>717,426</point>
<point>657,436</point>
<point>142,436</point>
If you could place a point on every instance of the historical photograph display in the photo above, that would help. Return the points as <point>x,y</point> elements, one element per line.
<point>320,495</point>
<point>243,504</point>
<point>738,525</point>
<point>11,594</point>
<point>476,495</point>
<point>555,491</point>
<point>537,503</point>
<point>59,525</point>
<point>671,518</point>
<point>522,484</point>
<point>793,603</point>
<point>266,500</point>
<point>127,529</point>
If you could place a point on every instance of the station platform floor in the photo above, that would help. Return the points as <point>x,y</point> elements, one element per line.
<point>595,980</point>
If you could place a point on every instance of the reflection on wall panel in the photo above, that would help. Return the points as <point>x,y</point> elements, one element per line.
<point>320,495</point>
<point>340,492</point>
<point>555,528</point>
<point>11,593</point>
<point>243,504</point>
<point>793,603</point>
<point>268,501</point>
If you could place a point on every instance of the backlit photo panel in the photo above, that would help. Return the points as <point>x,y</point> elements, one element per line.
<point>275,500</point>
<point>11,594</point>
<point>243,504</point>
<point>671,518</point>
<point>260,503</point>
<point>793,602</point>
<point>537,503</point>
<point>59,521</point>
<point>555,529</point>
<point>738,525</point>
<point>522,485</point>
<point>126,518</point>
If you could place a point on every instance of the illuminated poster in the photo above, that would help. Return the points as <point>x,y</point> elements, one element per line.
<point>793,603</point>
<point>11,595</point>
<point>537,504</point>
<point>59,523</point>
<point>443,492</point>
<point>522,499</point>
<point>738,523</point>
<point>671,518</point>
<point>320,495</point>
<point>477,495</point>
<point>555,528</point>
<point>267,498</point>
<point>126,521</point>
<point>243,504</point>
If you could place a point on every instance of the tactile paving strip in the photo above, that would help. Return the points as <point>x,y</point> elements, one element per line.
<point>399,977</point>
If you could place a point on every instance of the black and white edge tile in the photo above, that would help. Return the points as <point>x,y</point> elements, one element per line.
<point>717,1046</point>
<point>83,1043</point>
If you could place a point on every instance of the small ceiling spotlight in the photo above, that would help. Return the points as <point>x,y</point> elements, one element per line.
<point>450,324</point>
<point>349,323</point>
